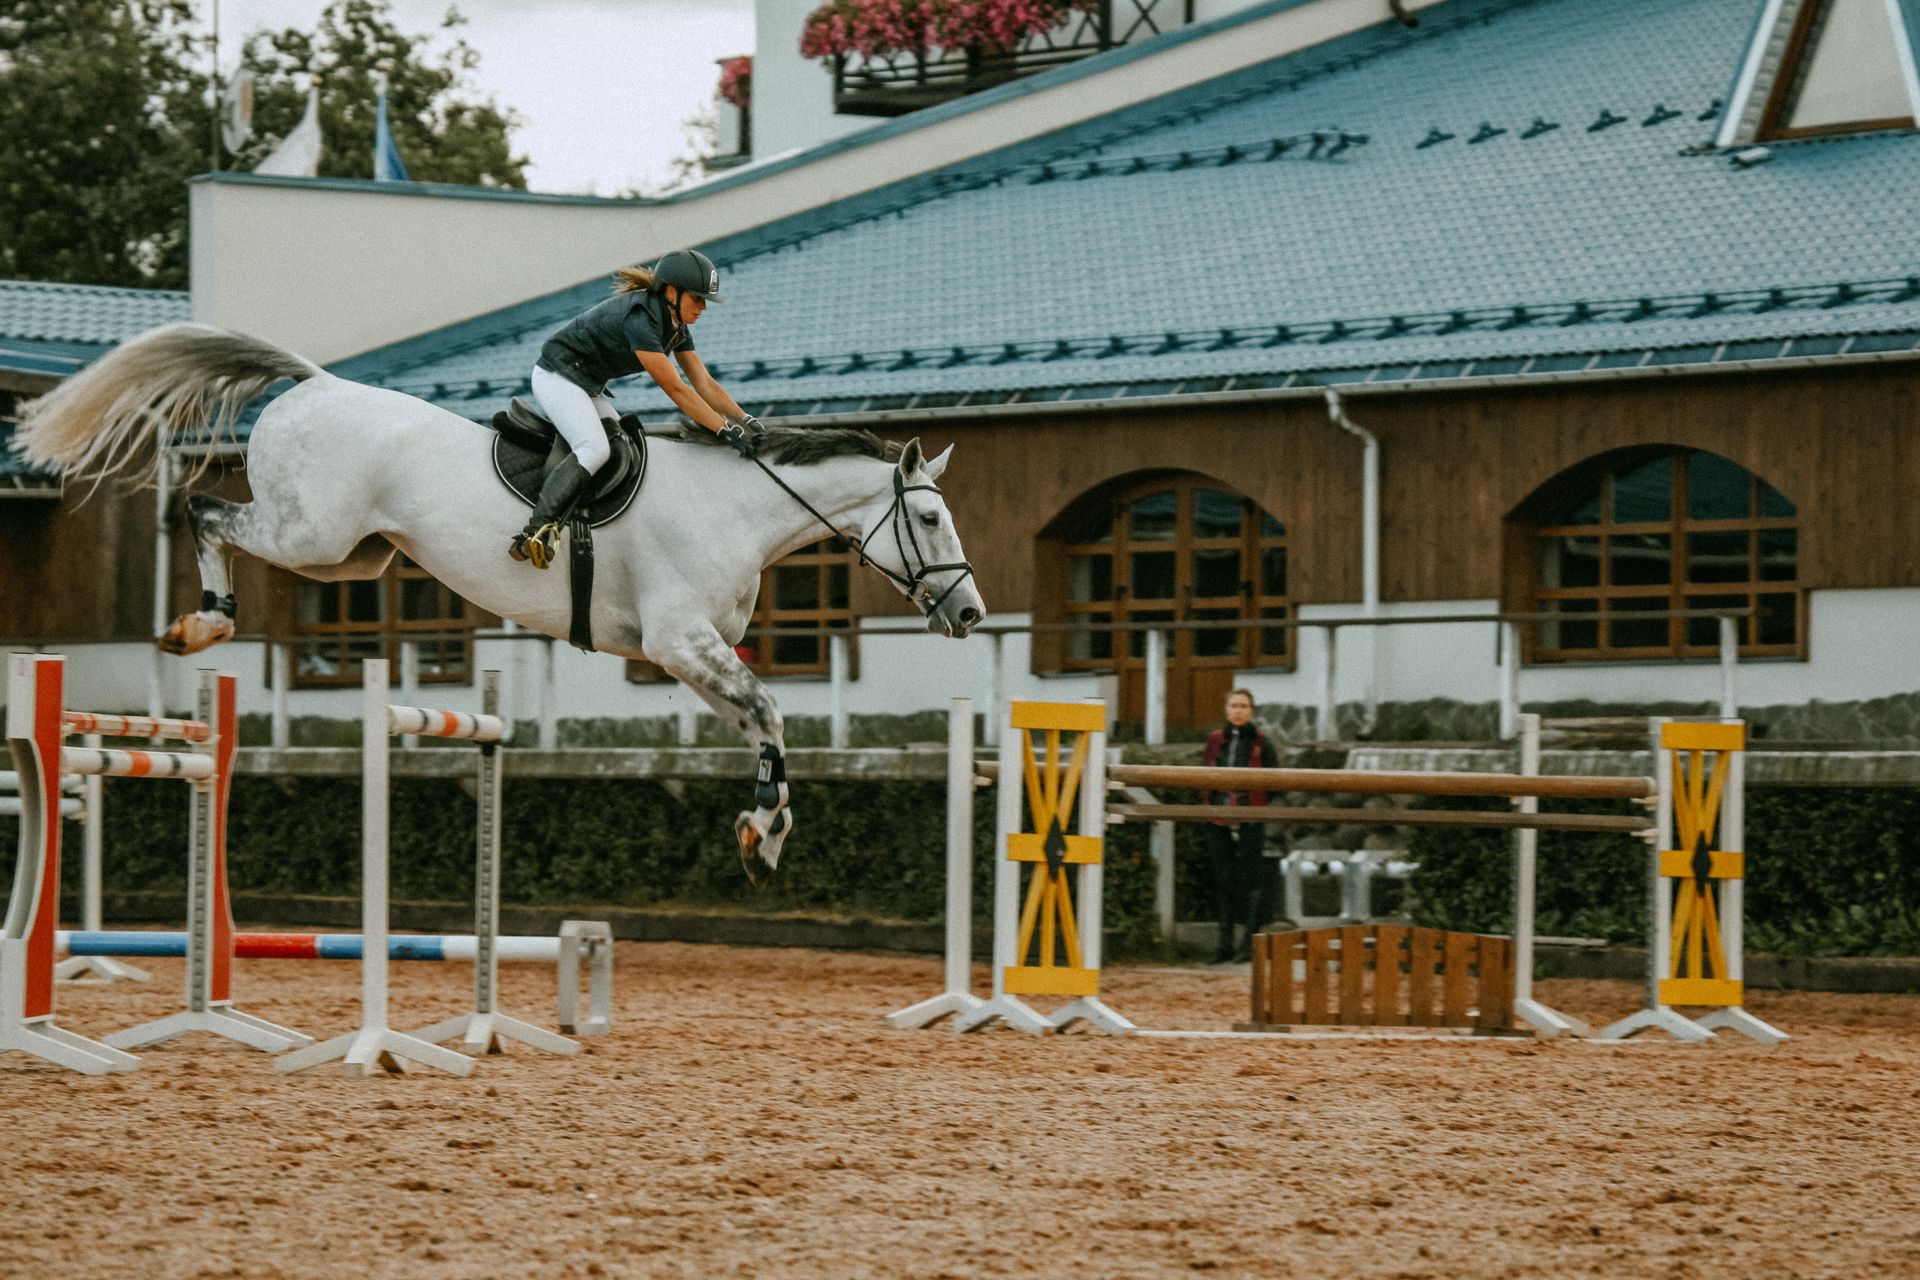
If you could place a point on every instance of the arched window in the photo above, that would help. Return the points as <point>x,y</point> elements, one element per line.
<point>1170,549</point>
<point>1651,531</point>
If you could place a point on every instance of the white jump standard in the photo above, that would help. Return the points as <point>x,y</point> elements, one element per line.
<point>37,727</point>
<point>1051,790</point>
<point>483,1030</point>
<point>958,997</point>
<point>209,909</point>
<point>1696,943</point>
<point>375,1046</point>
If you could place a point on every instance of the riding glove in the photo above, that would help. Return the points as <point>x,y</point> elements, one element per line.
<point>739,437</point>
<point>754,426</point>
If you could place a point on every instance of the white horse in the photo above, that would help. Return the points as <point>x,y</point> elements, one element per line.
<point>343,475</point>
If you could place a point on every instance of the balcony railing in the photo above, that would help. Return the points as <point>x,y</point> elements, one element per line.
<point>903,82</point>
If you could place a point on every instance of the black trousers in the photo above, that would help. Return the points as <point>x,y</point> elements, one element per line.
<point>1237,856</point>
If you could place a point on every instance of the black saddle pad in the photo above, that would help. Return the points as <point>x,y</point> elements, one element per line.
<point>522,459</point>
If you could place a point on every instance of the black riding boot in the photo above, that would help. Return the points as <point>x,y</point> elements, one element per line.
<point>561,489</point>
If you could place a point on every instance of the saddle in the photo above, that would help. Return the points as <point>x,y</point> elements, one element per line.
<point>526,447</point>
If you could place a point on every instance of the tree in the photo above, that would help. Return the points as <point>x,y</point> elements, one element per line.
<point>105,114</point>
<point>700,141</point>
<point>445,132</point>
<point>102,118</point>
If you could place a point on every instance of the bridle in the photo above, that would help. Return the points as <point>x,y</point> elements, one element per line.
<point>914,584</point>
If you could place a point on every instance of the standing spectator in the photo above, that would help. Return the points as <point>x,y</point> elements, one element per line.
<point>1236,849</point>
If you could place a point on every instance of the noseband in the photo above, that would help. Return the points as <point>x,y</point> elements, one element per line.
<point>913,583</point>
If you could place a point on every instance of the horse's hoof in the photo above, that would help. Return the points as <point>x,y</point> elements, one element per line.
<point>758,869</point>
<point>192,632</point>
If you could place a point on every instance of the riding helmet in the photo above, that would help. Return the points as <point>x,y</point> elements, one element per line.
<point>690,271</point>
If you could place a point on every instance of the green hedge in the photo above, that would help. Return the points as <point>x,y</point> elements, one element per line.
<point>1830,871</point>
<point>857,849</point>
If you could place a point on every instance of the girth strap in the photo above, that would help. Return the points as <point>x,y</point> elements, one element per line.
<point>580,578</point>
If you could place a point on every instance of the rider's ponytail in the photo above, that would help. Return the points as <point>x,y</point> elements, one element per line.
<point>633,279</point>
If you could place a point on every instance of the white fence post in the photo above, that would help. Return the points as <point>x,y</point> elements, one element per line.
<point>1156,673</point>
<point>837,665</point>
<point>162,573</point>
<point>1526,858</point>
<point>1729,659</point>
<point>409,685</point>
<point>1160,846</point>
<point>1328,727</point>
<point>958,996</point>
<point>549,698</point>
<point>1509,680</point>
<point>281,660</point>
<point>996,688</point>
<point>687,714</point>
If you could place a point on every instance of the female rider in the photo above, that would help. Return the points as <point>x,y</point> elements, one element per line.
<point>645,321</point>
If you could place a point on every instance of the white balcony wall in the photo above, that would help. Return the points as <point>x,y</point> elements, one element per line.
<point>792,95</point>
<point>726,129</point>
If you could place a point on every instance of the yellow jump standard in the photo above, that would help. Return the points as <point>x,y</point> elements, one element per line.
<point>1043,945</point>
<point>1694,888</point>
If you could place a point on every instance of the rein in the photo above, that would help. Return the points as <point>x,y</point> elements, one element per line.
<point>899,517</point>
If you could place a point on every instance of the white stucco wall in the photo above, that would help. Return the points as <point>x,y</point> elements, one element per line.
<point>1864,645</point>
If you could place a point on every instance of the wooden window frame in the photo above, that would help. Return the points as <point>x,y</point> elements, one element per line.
<point>1787,86</point>
<point>392,630</point>
<point>1252,605</point>
<point>1676,592</point>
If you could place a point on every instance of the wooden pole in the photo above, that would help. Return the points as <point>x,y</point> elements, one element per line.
<point>1624,823</point>
<point>1379,782</point>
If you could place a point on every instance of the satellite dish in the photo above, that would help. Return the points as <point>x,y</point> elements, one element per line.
<point>236,125</point>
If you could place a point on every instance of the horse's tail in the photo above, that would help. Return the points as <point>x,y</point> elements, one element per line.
<point>122,410</point>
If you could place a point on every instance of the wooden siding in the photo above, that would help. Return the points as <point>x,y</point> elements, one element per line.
<point>1844,445</point>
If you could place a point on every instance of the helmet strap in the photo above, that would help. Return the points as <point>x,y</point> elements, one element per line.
<point>675,326</point>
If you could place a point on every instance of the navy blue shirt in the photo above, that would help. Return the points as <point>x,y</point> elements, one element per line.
<point>598,345</point>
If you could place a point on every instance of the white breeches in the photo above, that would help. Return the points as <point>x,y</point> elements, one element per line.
<point>576,415</point>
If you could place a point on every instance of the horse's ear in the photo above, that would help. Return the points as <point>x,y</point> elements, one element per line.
<point>938,464</point>
<point>911,457</point>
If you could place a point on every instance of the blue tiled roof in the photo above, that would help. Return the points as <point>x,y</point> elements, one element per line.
<point>1517,186</point>
<point>57,328</point>
<point>52,330</point>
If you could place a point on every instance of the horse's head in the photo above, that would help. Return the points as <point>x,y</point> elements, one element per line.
<point>908,532</point>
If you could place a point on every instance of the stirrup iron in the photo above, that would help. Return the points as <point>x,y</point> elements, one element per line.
<point>540,545</point>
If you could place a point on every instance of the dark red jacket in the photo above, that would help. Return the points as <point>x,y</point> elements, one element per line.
<point>1259,756</point>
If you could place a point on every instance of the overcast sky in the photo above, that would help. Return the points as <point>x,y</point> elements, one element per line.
<point>602,85</point>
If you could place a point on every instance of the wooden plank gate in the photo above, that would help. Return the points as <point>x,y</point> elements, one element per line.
<point>1382,976</point>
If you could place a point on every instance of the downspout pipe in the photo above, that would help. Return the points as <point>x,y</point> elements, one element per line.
<point>1369,535</point>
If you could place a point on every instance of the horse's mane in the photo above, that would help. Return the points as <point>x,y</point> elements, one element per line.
<point>804,446</point>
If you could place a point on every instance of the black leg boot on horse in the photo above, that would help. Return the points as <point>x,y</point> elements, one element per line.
<point>558,493</point>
